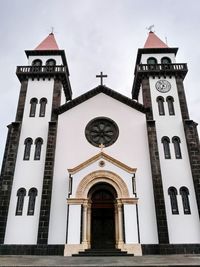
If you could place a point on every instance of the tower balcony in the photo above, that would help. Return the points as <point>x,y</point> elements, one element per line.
<point>59,72</point>
<point>146,70</point>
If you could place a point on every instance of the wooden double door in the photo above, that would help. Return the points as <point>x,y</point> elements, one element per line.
<point>103,218</point>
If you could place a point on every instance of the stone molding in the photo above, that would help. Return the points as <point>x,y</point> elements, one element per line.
<point>102,177</point>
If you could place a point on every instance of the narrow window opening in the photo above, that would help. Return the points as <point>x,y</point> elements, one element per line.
<point>21,193</point>
<point>184,192</point>
<point>172,192</point>
<point>38,147</point>
<point>161,109</point>
<point>152,61</point>
<point>27,150</point>
<point>32,198</point>
<point>50,64</point>
<point>165,140</point>
<point>43,102</point>
<point>36,65</point>
<point>33,103</point>
<point>170,102</point>
<point>177,150</point>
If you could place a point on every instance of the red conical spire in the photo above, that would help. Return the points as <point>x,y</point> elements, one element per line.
<point>49,43</point>
<point>154,42</point>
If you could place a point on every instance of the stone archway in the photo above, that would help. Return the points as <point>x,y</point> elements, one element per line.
<point>102,176</point>
<point>122,194</point>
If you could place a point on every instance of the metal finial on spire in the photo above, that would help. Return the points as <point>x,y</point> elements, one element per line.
<point>150,28</point>
<point>52,30</point>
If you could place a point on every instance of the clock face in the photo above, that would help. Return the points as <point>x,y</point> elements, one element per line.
<point>163,86</point>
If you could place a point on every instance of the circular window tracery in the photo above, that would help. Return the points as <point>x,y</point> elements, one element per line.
<point>101,130</point>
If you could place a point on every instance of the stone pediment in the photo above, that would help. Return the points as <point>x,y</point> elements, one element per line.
<point>102,156</point>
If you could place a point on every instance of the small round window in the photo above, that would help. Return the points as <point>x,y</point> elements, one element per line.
<point>101,130</point>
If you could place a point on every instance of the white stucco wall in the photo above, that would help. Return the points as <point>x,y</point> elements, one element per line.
<point>74,224</point>
<point>130,148</point>
<point>29,173</point>
<point>175,172</point>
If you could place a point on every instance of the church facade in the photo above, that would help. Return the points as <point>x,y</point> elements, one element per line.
<point>101,171</point>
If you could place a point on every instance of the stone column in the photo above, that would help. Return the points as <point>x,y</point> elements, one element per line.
<point>85,208</point>
<point>120,232</point>
<point>116,226</point>
<point>89,225</point>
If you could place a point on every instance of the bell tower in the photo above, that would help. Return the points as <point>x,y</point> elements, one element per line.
<point>27,170</point>
<point>158,84</point>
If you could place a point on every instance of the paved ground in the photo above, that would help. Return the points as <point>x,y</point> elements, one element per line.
<point>170,260</point>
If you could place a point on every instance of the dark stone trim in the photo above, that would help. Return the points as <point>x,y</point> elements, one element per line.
<point>97,90</point>
<point>21,101</point>
<point>7,174</point>
<point>147,98</point>
<point>182,98</point>
<point>56,99</point>
<point>193,145</point>
<point>47,185</point>
<point>157,184</point>
<point>32,250</point>
<point>164,249</point>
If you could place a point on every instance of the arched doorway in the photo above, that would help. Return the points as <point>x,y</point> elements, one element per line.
<point>103,198</point>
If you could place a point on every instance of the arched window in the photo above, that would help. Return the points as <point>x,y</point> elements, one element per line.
<point>184,192</point>
<point>32,197</point>
<point>20,201</point>
<point>165,140</point>
<point>166,60</point>
<point>172,192</point>
<point>151,60</point>
<point>160,101</point>
<point>177,150</point>
<point>50,63</point>
<point>38,146</point>
<point>36,65</point>
<point>33,103</point>
<point>28,142</point>
<point>170,103</point>
<point>43,102</point>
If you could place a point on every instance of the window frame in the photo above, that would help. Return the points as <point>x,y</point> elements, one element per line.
<point>21,193</point>
<point>43,103</point>
<point>166,147</point>
<point>161,109</point>
<point>33,192</point>
<point>184,192</point>
<point>33,103</point>
<point>38,147</point>
<point>170,103</point>
<point>27,149</point>
<point>177,148</point>
<point>172,192</point>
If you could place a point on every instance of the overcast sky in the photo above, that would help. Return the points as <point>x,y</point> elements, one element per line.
<point>97,35</point>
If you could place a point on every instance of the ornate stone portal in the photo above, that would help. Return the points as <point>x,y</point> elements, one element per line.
<point>83,198</point>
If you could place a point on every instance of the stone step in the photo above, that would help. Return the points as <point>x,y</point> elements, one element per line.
<point>102,253</point>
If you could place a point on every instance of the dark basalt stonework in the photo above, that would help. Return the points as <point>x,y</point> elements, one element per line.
<point>166,249</point>
<point>7,174</point>
<point>32,250</point>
